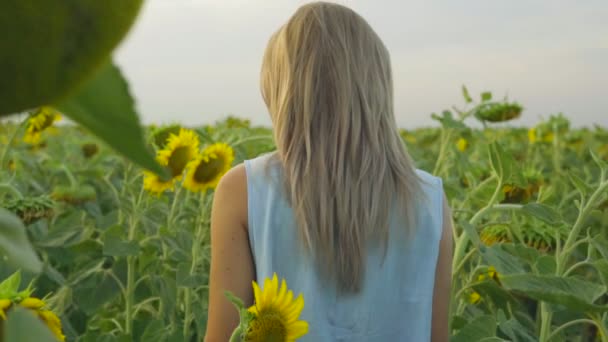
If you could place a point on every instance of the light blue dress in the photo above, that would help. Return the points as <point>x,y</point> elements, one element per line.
<point>395,303</point>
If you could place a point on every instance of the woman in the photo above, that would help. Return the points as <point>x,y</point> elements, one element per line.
<point>339,210</point>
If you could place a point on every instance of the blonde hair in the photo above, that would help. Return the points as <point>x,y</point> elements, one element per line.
<point>326,80</point>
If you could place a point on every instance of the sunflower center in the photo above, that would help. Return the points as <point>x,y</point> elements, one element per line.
<point>178,160</point>
<point>268,327</point>
<point>208,170</point>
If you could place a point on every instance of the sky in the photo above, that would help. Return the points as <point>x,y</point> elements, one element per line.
<point>197,61</point>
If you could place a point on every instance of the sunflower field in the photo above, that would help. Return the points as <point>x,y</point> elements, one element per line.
<point>104,225</point>
<point>125,251</point>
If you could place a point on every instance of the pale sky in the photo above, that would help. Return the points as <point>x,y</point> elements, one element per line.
<point>196,61</point>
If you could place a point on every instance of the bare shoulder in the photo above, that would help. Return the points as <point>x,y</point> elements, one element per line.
<point>234,179</point>
<point>230,196</point>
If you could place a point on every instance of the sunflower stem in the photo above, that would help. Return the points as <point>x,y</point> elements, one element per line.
<point>195,250</point>
<point>130,290</point>
<point>446,135</point>
<point>236,335</point>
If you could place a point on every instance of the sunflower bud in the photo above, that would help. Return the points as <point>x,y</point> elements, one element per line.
<point>498,112</point>
<point>89,150</point>
<point>74,194</point>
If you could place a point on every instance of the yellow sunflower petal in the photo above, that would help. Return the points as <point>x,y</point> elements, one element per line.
<point>5,303</point>
<point>286,302</point>
<point>32,303</point>
<point>257,293</point>
<point>282,293</point>
<point>297,330</point>
<point>296,309</point>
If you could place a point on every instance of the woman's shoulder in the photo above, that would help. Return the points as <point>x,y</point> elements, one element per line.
<point>428,178</point>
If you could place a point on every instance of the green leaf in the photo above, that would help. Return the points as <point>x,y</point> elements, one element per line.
<point>600,243</point>
<point>481,328</point>
<point>10,286</point>
<point>155,330</point>
<point>114,245</point>
<point>465,94</point>
<point>491,291</point>
<point>528,254</point>
<point>542,212</point>
<point>574,294</point>
<point>600,163</point>
<point>546,265</point>
<point>15,245</point>
<point>447,120</point>
<point>601,266</point>
<point>96,290</point>
<point>504,263</point>
<point>185,279</point>
<point>578,183</point>
<point>471,232</point>
<point>23,326</point>
<point>486,96</point>
<point>516,331</point>
<point>54,46</point>
<point>105,107</point>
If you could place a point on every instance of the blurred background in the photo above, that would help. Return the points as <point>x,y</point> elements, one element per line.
<point>197,61</point>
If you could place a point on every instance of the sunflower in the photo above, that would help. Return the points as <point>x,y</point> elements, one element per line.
<point>161,136</point>
<point>155,184</point>
<point>38,306</point>
<point>275,314</point>
<point>462,144</point>
<point>540,134</point>
<point>179,151</point>
<point>38,121</point>
<point>498,112</point>
<point>205,171</point>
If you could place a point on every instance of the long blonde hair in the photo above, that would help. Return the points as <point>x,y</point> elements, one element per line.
<point>326,80</point>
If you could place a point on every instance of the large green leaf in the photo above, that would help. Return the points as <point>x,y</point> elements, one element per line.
<point>504,262</point>
<point>575,294</point>
<point>23,326</point>
<point>514,329</point>
<point>48,47</point>
<point>481,328</point>
<point>114,244</point>
<point>105,107</point>
<point>15,245</point>
<point>542,212</point>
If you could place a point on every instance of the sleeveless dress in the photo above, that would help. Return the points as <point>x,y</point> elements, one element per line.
<point>395,301</point>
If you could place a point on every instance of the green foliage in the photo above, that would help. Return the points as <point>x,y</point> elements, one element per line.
<point>531,259</point>
<point>105,107</point>
<point>15,245</point>
<point>58,45</point>
<point>23,326</point>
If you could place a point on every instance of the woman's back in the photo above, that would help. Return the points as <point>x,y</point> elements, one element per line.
<point>340,212</point>
<point>396,296</point>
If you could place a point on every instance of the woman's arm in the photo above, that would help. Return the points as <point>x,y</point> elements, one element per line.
<point>232,267</point>
<point>443,280</point>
